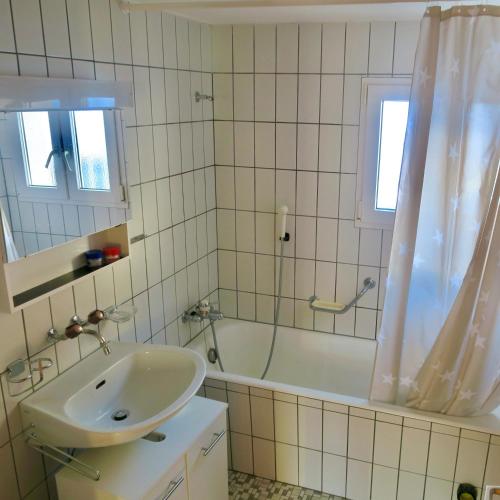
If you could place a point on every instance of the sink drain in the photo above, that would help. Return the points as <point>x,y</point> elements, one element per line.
<point>120,415</point>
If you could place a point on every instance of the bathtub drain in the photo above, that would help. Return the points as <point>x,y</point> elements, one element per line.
<point>212,355</point>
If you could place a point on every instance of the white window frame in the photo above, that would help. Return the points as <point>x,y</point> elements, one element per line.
<point>374,91</point>
<point>67,190</point>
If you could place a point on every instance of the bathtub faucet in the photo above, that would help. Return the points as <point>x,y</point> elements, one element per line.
<point>202,310</point>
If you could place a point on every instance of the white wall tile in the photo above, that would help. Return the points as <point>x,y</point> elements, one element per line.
<point>384,483</point>
<point>264,459</point>
<point>28,27</point>
<point>287,463</point>
<point>307,147</point>
<point>55,27</point>
<point>265,48</point>
<point>310,427</point>
<point>331,98</point>
<point>286,137</point>
<point>286,98</point>
<point>243,48</point>
<point>356,48</point>
<point>329,148</point>
<point>265,98</point>
<point>387,444</point>
<point>405,44</point>
<point>310,468</point>
<point>442,456</point>
<point>358,480</point>
<point>332,60</point>
<point>308,107</point>
<point>360,443</point>
<point>381,47</point>
<point>242,459</point>
<point>410,486</point>
<point>334,474</point>
<point>287,48</point>
<point>309,48</point>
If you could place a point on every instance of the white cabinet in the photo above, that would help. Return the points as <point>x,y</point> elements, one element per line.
<point>189,464</point>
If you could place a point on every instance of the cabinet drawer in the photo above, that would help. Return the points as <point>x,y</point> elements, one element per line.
<point>207,463</point>
<point>174,484</point>
<point>207,440</point>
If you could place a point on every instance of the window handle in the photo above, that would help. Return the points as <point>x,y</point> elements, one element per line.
<point>51,154</point>
<point>65,155</point>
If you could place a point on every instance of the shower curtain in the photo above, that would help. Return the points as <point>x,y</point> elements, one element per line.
<point>439,341</point>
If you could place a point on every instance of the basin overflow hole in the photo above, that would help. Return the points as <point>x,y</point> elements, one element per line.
<point>100,384</point>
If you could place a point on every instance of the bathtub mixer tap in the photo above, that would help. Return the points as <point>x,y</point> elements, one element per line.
<point>202,310</point>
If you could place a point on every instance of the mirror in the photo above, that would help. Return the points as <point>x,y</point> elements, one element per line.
<point>61,177</point>
<point>62,173</point>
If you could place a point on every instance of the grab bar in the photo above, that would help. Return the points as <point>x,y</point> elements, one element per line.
<point>336,308</point>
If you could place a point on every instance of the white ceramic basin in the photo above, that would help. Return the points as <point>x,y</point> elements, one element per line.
<point>83,408</point>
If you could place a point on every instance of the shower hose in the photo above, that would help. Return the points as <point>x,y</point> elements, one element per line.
<point>275,325</point>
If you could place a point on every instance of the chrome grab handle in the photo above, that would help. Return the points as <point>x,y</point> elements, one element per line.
<point>172,486</point>
<point>368,284</point>
<point>218,437</point>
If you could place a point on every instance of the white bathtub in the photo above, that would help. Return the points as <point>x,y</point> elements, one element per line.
<point>311,360</point>
<point>310,364</point>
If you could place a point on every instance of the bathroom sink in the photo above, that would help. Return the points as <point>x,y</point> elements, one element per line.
<point>108,400</point>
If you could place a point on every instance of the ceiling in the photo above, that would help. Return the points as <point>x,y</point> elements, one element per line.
<point>283,11</point>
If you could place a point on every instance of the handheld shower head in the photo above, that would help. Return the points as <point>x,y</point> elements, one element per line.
<point>283,210</point>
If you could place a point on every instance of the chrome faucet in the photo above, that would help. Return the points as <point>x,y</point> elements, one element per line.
<point>77,327</point>
<point>202,310</point>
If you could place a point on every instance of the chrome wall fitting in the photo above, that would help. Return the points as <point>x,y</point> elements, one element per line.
<point>17,368</point>
<point>61,457</point>
<point>202,97</point>
<point>336,308</point>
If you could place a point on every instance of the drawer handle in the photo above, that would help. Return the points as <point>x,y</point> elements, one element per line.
<point>172,486</point>
<point>218,437</point>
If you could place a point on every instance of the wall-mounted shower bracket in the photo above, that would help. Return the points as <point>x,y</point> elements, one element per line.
<point>317,304</point>
<point>202,97</point>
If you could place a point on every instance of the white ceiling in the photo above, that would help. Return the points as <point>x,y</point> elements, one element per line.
<point>283,11</point>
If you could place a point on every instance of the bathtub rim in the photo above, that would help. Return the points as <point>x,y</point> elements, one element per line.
<point>488,424</point>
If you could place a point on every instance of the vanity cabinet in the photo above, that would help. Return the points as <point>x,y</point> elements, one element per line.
<point>189,464</point>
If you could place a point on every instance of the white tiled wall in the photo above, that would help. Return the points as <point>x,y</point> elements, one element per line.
<point>169,141</point>
<point>351,452</point>
<point>287,104</point>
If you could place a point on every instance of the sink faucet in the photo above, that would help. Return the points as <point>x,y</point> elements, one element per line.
<point>76,329</point>
<point>202,310</point>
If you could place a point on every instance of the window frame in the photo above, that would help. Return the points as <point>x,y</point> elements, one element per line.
<point>67,190</point>
<point>374,91</point>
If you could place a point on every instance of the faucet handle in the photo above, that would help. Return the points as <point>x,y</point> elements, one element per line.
<point>72,331</point>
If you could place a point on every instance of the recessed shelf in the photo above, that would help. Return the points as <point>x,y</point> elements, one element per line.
<point>53,284</point>
<point>37,276</point>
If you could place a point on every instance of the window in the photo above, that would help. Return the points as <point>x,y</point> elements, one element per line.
<point>381,139</point>
<point>68,156</point>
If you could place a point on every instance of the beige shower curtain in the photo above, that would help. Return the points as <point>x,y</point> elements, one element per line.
<point>439,342</point>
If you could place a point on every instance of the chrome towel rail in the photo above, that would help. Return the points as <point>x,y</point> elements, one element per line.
<point>335,308</point>
<point>61,457</point>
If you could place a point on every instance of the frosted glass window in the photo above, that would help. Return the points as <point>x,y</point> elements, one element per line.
<point>394,115</point>
<point>90,149</point>
<point>36,140</point>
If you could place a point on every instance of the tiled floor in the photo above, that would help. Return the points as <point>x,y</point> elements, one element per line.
<point>246,487</point>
